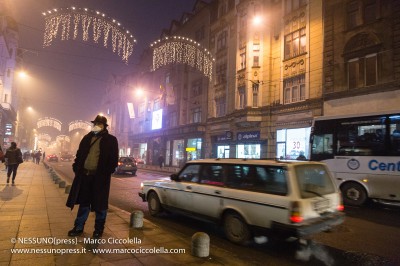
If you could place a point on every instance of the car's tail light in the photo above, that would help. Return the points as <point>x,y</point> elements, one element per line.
<point>340,206</point>
<point>295,213</point>
<point>119,163</point>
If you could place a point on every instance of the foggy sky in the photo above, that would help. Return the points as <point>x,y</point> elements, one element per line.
<point>68,78</point>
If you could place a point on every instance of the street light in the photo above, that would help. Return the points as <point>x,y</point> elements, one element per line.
<point>257,20</point>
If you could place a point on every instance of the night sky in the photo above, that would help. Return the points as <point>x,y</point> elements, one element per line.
<point>68,78</point>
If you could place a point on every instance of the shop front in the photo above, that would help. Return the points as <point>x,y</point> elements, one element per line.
<point>248,145</point>
<point>293,142</point>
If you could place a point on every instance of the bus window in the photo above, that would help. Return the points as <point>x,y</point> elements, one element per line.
<point>322,144</point>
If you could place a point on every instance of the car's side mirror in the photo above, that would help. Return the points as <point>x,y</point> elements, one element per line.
<point>175,177</point>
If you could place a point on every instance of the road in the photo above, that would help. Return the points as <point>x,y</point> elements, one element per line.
<point>369,236</point>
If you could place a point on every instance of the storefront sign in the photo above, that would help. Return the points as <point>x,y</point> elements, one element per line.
<point>190,149</point>
<point>221,138</point>
<point>246,136</point>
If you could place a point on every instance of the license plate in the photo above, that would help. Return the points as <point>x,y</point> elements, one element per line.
<point>321,205</point>
<point>128,165</point>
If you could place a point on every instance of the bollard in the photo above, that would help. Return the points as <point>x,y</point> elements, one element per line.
<point>67,189</point>
<point>200,245</point>
<point>136,219</point>
<point>61,184</point>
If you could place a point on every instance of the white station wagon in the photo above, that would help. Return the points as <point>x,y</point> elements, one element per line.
<point>251,197</point>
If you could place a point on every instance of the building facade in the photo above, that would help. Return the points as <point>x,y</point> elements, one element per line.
<point>361,57</point>
<point>307,58</point>
<point>9,96</point>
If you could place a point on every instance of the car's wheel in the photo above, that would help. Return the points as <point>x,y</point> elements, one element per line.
<point>154,203</point>
<point>236,229</point>
<point>354,194</point>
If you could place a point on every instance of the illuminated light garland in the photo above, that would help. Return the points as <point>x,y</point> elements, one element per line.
<point>79,124</point>
<point>88,21</point>
<point>44,137</point>
<point>182,50</point>
<point>61,138</point>
<point>49,122</point>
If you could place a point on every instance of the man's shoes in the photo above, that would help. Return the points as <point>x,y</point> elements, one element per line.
<point>97,234</point>
<point>75,232</point>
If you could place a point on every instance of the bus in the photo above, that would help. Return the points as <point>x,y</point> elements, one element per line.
<point>362,153</point>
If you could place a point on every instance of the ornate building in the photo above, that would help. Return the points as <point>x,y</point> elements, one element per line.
<point>361,56</point>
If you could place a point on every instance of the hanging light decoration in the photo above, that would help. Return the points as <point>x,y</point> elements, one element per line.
<point>79,124</point>
<point>49,122</point>
<point>182,50</point>
<point>88,22</point>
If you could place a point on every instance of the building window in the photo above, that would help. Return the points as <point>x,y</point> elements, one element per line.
<point>221,40</point>
<point>220,72</point>
<point>196,88</point>
<point>256,62</point>
<point>173,119</point>
<point>196,115</point>
<point>142,108</point>
<point>220,106</point>
<point>294,89</point>
<point>242,97</point>
<point>353,15</point>
<point>295,43</point>
<point>255,94</point>
<point>242,58</point>
<point>200,34</point>
<point>157,105</point>
<point>362,71</point>
<point>370,11</point>
<point>291,5</point>
<point>223,8</point>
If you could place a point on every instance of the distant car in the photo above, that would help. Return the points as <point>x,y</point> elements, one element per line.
<point>52,158</point>
<point>126,165</point>
<point>139,161</point>
<point>66,157</point>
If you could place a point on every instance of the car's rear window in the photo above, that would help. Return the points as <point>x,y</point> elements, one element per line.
<point>126,160</point>
<point>314,180</point>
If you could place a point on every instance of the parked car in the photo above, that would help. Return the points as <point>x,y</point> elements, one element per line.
<point>52,158</point>
<point>251,197</point>
<point>66,157</point>
<point>126,165</point>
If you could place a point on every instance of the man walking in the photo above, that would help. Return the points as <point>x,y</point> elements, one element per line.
<point>96,159</point>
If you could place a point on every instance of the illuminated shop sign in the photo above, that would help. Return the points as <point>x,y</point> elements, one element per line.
<point>246,136</point>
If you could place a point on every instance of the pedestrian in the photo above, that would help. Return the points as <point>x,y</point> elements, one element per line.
<point>96,159</point>
<point>160,160</point>
<point>301,157</point>
<point>14,158</point>
<point>38,155</point>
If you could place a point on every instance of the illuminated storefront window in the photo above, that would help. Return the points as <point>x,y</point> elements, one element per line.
<point>248,151</point>
<point>223,151</point>
<point>178,152</point>
<point>193,149</point>
<point>290,143</point>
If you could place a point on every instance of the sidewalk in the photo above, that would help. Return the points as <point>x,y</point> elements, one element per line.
<point>34,220</point>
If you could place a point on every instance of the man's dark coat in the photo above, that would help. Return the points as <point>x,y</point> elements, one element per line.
<point>108,161</point>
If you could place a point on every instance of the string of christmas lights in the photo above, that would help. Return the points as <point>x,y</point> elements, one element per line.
<point>79,124</point>
<point>49,122</point>
<point>182,50</point>
<point>87,21</point>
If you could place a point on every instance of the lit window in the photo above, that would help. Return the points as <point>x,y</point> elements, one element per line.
<point>362,71</point>
<point>294,89</point>
<point>242,97</point>
<point>295,43</point>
